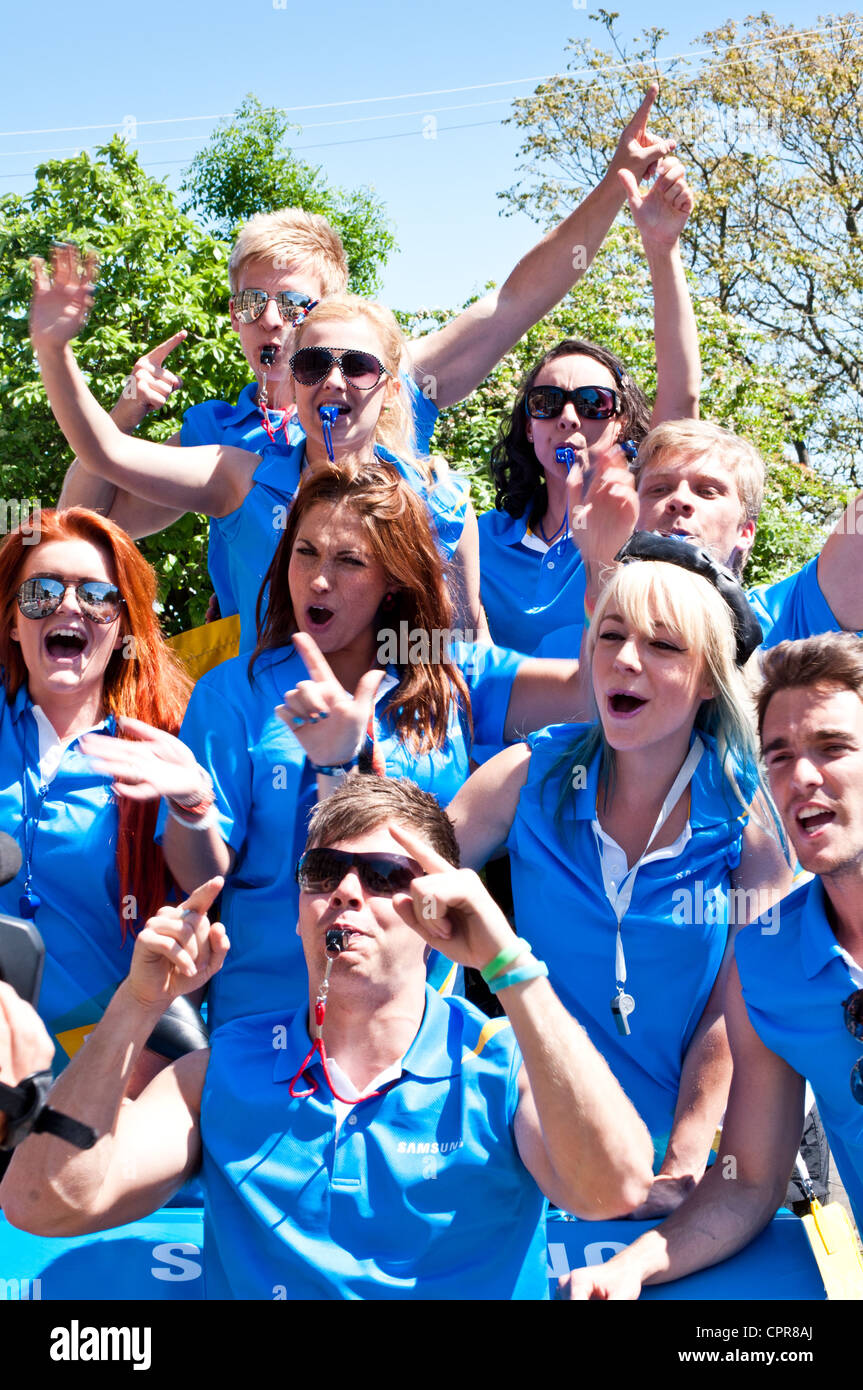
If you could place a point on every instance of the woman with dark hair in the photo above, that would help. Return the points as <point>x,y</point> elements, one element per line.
<point>80,649</point>
<point>358,601</point>
<point>580,408</point>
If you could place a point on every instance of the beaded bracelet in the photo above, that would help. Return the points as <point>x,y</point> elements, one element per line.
<point>517,947</point>
<point>531,970</point>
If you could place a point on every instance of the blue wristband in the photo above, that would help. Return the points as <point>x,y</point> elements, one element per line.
<point>330,770</point>
<point>532,970</point>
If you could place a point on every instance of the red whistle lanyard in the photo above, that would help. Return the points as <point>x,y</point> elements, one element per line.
<point>265,415</point>
<point>319,1048</point>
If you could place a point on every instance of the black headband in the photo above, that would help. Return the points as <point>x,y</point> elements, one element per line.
<point>679,550</point>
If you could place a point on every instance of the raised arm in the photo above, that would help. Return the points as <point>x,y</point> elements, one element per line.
<point>840,565</point>
<point>484,809</point>
<point>210,479</point>
<point>577,1134</point>
<point>148,1147</point>
<point>460,355</point>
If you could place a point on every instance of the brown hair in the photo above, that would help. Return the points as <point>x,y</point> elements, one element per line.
<point>363,802</point>
<point>830,658</point>
<point>143,679</point>
<point>396,524</point>
<point>290,237</point>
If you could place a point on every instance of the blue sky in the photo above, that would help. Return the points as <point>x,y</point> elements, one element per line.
<point>96,63</point>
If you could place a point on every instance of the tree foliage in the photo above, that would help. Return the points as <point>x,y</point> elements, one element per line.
<point>247,167</point>
<point>770,128</point>
<point>158,273</point>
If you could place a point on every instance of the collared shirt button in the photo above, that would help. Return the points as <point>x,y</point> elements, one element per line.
<point>352,1119</point>
<point>550,565</point>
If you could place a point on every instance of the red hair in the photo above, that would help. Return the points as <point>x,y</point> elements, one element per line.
<point>143,679</point>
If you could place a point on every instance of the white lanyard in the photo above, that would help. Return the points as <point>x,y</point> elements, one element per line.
<point>620,897</point>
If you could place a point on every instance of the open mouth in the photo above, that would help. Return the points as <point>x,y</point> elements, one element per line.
<point>319,616</point>
<point>812,818</point>
<point>625,704</point>
<point>64,644</point>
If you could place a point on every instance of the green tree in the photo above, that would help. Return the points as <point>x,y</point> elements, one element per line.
<point>613,305</point>
<point>247,167</point>
<point>769,126</point>
<point>159,272</point>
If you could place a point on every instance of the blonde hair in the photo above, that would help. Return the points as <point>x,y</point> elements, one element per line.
<point>395,429</point>
<point>651,593</point>
<point>290,237</point>
<point>692,439</point>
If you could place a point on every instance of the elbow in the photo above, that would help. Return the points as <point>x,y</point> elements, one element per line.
<point>39,1207</point>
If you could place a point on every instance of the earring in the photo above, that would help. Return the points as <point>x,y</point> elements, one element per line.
<point>388,603</point>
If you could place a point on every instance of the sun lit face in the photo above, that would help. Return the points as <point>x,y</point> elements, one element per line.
<point>647,689</point>
<point>337,584</point>
<point>66,653</point>
<point>697,498</point>
<point>270,330</point>
<point>569,428</point>
<point>354,431</point>
<point>813,749</point>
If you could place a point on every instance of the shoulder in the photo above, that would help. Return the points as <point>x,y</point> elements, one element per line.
<point>498,525</point>
<point>755,948</point>
<point>481,1041</point>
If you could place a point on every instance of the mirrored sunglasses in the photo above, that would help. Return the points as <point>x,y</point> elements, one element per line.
<point>42,595</point>
<point>362,369</point>
<point>293,306</point>
<point>591,402</point>
<point>322,870</point>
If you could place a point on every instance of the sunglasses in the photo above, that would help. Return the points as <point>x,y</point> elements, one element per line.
<point>42,595</point>
<point>293,307</point>
<point>591,402</point>
<point>312,364</point>
<point>322,870</point>
<point>853,1010</point>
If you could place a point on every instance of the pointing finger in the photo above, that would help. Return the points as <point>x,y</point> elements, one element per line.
<point>420,850</point>
<point>158,354</point>
<point>313,658</point>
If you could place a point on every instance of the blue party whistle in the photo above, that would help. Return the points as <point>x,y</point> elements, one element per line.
<point>329,415</point>
<point>565,457</point>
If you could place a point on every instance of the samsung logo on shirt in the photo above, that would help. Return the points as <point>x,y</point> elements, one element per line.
<point>432,1147</point>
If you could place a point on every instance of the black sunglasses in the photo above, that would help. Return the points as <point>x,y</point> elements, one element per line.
<point>591,402</point>
<point>312,364</point>
<point>42,595</point>
<point>853,1010</point>
<point>322,870</point>
<point>293,307</point>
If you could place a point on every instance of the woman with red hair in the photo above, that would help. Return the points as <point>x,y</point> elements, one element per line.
<point>80,649</point>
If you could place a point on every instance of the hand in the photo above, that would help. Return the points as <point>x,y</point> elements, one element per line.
<point>25,1045</point>
<point>638,150</point>
<point>328,722</point>
<point>152,764</point>
<point>449,907</point>
<point>149,386</point>
<point>664,1197</point>
<point>61,301</point>
<point>178,950</point>
<point>613,1280</point>
<point>662,213</point>
<point>603,506</point>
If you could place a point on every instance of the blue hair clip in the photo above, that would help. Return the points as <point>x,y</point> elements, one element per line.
<point>565,457</point>
<point>329,415</point>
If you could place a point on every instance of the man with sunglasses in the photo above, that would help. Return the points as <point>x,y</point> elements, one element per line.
<point>286,261</point>
<point>794,1002</point>
<point>390,1143</point>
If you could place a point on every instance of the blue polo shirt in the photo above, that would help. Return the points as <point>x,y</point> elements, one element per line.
<point>674,933</point>
<point>526,593</point>
<point>794,981</point>
<point>242,544</point>
<point>265,793</point>
<point>70,838</point>
<point>421,1194</point>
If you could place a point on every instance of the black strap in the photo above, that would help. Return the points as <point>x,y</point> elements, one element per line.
<point>26,1111</point>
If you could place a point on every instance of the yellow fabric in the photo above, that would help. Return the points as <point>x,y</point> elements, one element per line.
<point>493,1026</point>
<point>835,1248</point>
<point>202,648</point>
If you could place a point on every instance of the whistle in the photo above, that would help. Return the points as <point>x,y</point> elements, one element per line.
<point>329,415</point>
<point>337,940</point>
<point>565,457</point>
<point>268,355</point>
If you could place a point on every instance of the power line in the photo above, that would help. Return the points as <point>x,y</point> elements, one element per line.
<point>438,91</point>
